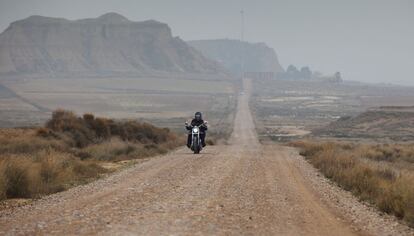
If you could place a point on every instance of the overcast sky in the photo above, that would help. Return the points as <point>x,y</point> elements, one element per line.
<point>366,40</point>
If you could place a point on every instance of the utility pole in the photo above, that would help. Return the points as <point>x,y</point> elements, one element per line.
<point>242,44</point>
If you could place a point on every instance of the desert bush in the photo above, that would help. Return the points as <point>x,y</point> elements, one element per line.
<point>141,132</point>
<point>67,122</point>
<point>107,150</point>
<point>3,182</point>
<point>210,142</point>
<point>27,142</point>
<point>115,150</point>
<point>23,176</point>
<point>87,170</point>
<point>101,128</point>
<point>88,129</point>
<point>15,177</point>
<point>67,151</point>
<point>389,152</point>
<point>387,187</point>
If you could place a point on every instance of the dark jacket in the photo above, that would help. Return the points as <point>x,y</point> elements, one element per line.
<point>196,122</point>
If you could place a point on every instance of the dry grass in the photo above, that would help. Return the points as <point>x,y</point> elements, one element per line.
<point>117,150</point>
<point>379,174</point>
<point>44,172</point>
<point>69,151</point>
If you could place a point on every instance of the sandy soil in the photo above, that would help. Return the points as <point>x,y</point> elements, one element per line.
<point>243,188</point>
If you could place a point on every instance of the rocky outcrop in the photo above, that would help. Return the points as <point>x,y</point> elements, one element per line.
<point>257,57</point>
<point>109,44</point>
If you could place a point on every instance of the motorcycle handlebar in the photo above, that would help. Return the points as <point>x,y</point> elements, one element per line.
<point>188,125</point>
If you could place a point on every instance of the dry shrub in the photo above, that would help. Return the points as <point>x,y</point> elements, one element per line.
<point>3,182</point>
<point>107,150</point>
<point>87,170</point>
<point>210,142</point>
<point>89,129</point>
<point>67,122</point>
<point>27,142</point>
<point>115,150</point>
<point>66,151</point>
<point>141,132</point>
<point>45,172</point>
<point>351,166</point>
<point>15,177</point>
<point>388,152</point>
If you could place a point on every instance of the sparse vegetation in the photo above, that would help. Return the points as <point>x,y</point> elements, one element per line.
<point>381,123</point>
<point>48,171</point>
<point>318,106</point>
<point>382,174</point>
<point>69,150</point>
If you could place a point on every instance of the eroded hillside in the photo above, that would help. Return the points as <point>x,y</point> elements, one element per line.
<point>107,45</point>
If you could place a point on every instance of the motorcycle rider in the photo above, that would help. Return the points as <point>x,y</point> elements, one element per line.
<point>197,121</point>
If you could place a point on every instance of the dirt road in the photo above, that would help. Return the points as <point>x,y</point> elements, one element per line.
<point>242,188</point>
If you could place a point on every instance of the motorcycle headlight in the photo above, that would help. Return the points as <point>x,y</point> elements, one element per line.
<point>195,130</point>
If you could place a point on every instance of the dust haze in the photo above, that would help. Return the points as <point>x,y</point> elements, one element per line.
<point>206,117</point>
<point>367,41</point>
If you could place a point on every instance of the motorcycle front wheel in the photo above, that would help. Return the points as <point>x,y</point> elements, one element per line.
<point>196,145</point>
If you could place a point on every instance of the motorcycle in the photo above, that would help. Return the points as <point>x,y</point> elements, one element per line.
<point>196,145</point>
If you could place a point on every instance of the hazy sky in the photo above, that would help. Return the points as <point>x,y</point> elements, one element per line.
<point>366,40</point>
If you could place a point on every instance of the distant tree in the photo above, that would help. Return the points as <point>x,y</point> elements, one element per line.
<point>292,69</point>
<point>338,75</point>
<point>291,72</point>
<point>305,72</point>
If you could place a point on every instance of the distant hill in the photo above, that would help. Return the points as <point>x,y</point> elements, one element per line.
<point>258,57</point>
<point>109,44</point>
<point>394,122</point>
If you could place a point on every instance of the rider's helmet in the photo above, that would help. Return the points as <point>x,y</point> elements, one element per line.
<point>198,115</point>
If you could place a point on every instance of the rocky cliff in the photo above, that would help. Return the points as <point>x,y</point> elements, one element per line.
<point>109,44</point>
<point>257,57</point>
